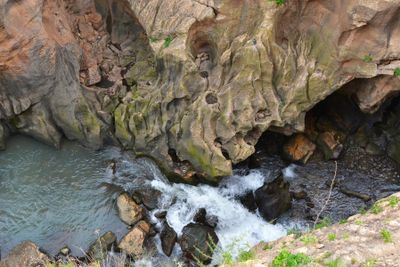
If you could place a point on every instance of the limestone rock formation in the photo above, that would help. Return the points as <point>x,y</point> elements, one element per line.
<point>190,83</point>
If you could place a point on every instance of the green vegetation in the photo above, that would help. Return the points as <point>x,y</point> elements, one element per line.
<point>343,221</point>
<point>386,236</point>
<point>397,72</point>
<point>279,2</point>
<point>370,263</point>
<point>246,256</point>
<point>335,263</point>
<point>287,259</point>
<point>394,201</point>
<point>294,231</point>
<point>309,239</point>
<point>323,223</point>
<point>376,208</point>
<point>227,257</point>
<point>168,41</point>
<point>331,237</point>
<point>367,58</point>
<point>362,211</point>
<point>152,39</point>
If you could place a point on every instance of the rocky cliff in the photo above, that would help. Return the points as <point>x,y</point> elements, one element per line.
<point>191,83</point>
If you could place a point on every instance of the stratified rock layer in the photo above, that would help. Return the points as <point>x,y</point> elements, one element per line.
<point>192,84</point>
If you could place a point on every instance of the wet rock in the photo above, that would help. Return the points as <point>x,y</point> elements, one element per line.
<point>148,196</point>
<point>25,254</point>
<point>248,201</point>
<point>128,210</point>
<point>298,149</point>
<point>196,242</point>
<point>212,221</point>
<point>99,248</point>
<point>328,143</point>
<point>161,214</point>
<point>200,216</point>
<point>133,242</point>
<point>273,198</point>
<point>65,251</point>
<point>168,239</point>
<point>298,195</point>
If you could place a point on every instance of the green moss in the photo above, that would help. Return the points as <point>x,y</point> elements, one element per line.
<point>331,237</point>
<point>121,129</point>
<point>397,72</point>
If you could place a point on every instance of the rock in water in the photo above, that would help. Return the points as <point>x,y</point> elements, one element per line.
<point>26,254</point>
<point>133,242</point>
<point>98,249</point>
<point>197,241</point>
<point>168,239</point>
<point>129,212</point>
<point>148,196</point>
<point>273,198</point>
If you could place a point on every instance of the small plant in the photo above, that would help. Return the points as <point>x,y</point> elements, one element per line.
<point>323,223</point>
<point>394,201</point>
<point>267,247</point>
<point>294,231</point>
<point>353,261</point>
<point>335,263</point>
<point>367,59</point>
<point>362,211</point>
<point>376,208</point>
<point>309,239</point>
<point>386,236</point>
<point>246,255</point>
<point>152,39</point>
<point>279,2</point>
<point>227,257</point>
<point>168,41</point>
<point>346,236</point>
<point>370,263</point>
<point>287,259</point>
<point>331,237</point>
<point>397,72</point>
<point>343,221</point>
<point>359,222</point>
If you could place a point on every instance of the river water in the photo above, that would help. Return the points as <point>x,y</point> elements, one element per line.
<point>67,197</point>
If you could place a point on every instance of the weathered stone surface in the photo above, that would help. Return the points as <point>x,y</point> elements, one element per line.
<point>201,78</point>
<point>358,242</point>
<point>273,198</point>
<point>99,248</point>
<point>26,254</point>
<point>133,242</point>
<point>196,242</point>
<point>129,212</point>
<point>168,238</point>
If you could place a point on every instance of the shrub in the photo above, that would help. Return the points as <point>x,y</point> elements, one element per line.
<point>331,237</point>
<point>323,223</point>
<point>397,72</point>
<point>394,201</point>
<point>376,208</point>
<point>246,255</point>
<point>309,239</point>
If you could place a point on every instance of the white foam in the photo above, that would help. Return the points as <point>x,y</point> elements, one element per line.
<point>288,172</point>
<point>237,227</point>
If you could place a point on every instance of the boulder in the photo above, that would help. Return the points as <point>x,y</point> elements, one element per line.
<point>197,241</point>
<point>273,198</point>
<point>168,238</point>
<point>329,144</point>
<point>133,242</point>
<point>129,212</point>
<point>26,254</point>
<point>298,149</point>
<point>99,248</point>
<point>148,196</point>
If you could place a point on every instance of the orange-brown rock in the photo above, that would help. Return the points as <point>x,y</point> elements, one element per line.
<point>26,254</point>
<point>299,148</point>
<point>133,242</point>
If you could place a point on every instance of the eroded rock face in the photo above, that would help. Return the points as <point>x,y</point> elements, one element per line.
<point>192,84</point>
<point>25,255</point>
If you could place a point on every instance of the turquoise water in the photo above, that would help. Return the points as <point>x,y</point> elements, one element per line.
<point>56,197</point>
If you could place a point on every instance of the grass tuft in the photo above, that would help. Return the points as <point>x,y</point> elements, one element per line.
<point>386,236</point>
